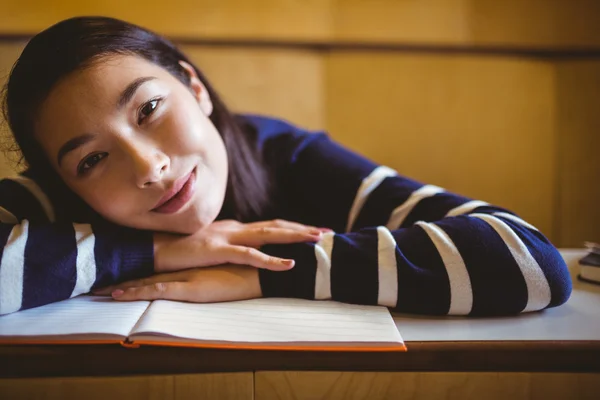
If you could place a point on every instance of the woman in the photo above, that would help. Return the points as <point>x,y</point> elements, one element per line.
<point>136,166</point>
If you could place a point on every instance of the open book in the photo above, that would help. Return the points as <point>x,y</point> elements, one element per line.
<point>278,324</point>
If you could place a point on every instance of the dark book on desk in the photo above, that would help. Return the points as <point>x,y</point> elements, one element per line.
<point>277,324</point>
<point>590,264</point>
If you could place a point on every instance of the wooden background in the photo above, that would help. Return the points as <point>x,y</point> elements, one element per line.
<point>497,100</point>
<point>309,385</point>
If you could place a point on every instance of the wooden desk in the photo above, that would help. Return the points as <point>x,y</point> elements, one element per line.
<point>551,354</point>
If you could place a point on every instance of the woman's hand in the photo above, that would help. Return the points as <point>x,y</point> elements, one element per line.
<point>230,242</point>
<point>199,285</point>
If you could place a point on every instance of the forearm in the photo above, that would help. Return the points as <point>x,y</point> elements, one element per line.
<point>45,263</point>
<point>225,283</point>
<point>475,265</point>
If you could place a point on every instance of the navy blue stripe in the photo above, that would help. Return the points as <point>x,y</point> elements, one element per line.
<point>496,279</point>
<point>391,193</point>
<point>297,282</point>
<point>550,261</point>
<point>21,202</point>
<point>423,285</point>
<point>50,269</point>
<point>433,208</point>
<point>121,254</point>
<point>354,267</point>
<point>322,182</point>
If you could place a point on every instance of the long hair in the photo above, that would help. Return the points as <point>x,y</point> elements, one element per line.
<point>77,43</point>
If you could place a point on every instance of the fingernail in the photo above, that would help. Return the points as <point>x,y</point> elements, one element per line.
<point>315,232</point>
<point>117,293</point>
<point>326,230</point>
<point>288,263</point>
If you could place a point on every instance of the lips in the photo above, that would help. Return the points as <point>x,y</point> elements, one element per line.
<point>178,196</point>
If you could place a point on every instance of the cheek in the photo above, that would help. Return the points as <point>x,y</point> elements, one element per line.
<point>186,128</point>
<point>110,199</point>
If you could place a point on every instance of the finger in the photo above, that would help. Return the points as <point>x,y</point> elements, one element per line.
<point>256,258</point>
<point>170,277</point>
<point>282,223</point>
<point>178,291</point>
<point>107,290</point>
<point>265,235</point>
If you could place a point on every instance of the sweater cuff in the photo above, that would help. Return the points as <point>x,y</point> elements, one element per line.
<point>137,255</point>
<point>122,254</point>
<point>298,282</point>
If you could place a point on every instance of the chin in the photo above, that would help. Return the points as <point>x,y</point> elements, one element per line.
<point>194,223</point>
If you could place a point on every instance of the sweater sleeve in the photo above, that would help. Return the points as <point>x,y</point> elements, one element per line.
<point>413,247</point>
<point>44,261</point>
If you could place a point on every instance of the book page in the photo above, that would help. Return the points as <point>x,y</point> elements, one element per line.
<point>272,320</point>
<point>79,318</point>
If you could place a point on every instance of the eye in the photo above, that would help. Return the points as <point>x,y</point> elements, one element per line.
<point>147,109</point>
<point>88,163</point>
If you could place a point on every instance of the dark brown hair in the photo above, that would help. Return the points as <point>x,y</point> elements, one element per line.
<point>78,42</point>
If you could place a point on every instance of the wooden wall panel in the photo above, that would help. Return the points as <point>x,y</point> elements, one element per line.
<point>282,19</point>
<point>482,127</point>
<point>9,52</point>
<point>536,23</point>
<point>424,385</point>
<point>163,387</point>
<point>409,21</point>
<point>542,23</point>
<point>578,124</point>
<point>283,83</point>
<point>545,23</point>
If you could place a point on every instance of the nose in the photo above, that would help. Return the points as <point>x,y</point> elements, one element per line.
<point>149,163</point>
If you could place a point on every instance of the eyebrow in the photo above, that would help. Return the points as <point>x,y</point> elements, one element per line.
<point>72,144</point>
<point>124,98</point>
<point>129,91</point>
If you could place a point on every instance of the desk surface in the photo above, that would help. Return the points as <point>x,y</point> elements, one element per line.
<point>566,338</point>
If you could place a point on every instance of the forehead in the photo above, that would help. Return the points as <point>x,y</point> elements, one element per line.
<point>105,76</point>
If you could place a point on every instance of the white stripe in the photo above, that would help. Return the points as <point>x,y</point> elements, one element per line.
<point>7,217</point>
<point>466,208</point>
<point>401,212</point>
<point>515,219</point>
<point>323,278</point>
<point>39,194</point>
<point>11,269</point>
<point>387,268</point>
<point>538,290</point>
<point>86,262</point>
<point>461,291</point>
<point>367,186</point>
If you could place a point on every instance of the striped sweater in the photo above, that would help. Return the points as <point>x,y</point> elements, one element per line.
<point>410,246</point>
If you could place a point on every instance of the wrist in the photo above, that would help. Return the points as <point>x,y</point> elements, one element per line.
<point>159,240</point>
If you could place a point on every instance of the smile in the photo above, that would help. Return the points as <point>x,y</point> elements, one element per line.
<point>178,195</point>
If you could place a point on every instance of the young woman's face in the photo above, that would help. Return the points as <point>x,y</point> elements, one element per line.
<point>136,144</point>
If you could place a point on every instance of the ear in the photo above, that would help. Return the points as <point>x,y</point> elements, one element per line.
<point>198,89</point>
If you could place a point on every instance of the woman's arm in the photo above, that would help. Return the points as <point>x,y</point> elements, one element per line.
<point>414,247</point>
